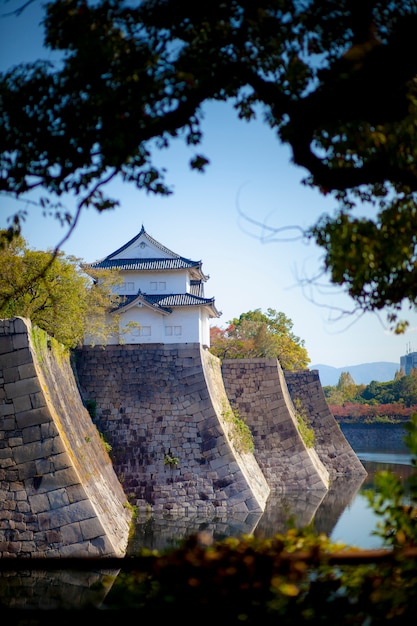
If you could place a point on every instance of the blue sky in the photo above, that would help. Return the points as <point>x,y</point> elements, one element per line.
<point>213,217</point>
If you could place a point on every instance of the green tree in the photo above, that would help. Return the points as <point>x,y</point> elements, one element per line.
<point>381,393</point>
<point>333,395</point>
<point>406,388</point>
<point>260,335</point>
<point>346,390</point>
<point>335,81</point>
<point>347,385</point>
<point>55,294</point>
<point>401,390</point>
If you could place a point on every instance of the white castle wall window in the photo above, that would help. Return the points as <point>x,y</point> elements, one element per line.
<point>128,287</point>
<point>173,330</point>
<point>158,286</point>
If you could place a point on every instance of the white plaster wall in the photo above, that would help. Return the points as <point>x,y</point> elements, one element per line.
<point>188,319</point>
<point>192,327</point>
<point>176,282</point>
<point>205,329</point>
<point>142,317</point>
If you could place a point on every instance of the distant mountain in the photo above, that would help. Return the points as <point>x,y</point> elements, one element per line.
<point>362,374</point>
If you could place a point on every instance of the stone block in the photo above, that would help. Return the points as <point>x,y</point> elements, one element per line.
<point>6,342</point>
<point>32,417</point>
<point>32,433</point>
<point>30,451</point>
<point>91,528</point>
<point>22,387</point>
<point>58,498</point>
<point>71,534</point>
<point>39,503</point>
<point>22,403</point>
<point>27,370</point>
<point>20,341</point>
<point>7,409</point>
<point>10,374</point>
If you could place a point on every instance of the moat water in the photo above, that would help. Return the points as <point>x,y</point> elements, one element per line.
<point>343,513</point>
<point>357,523</point>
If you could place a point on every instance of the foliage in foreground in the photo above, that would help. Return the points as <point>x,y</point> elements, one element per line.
<point>288,579</point>
<point>297,577</point>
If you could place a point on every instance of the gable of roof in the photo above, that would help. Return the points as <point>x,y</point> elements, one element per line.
<point>170,262</point>
<point>144,236</point>
<point>127,302</point>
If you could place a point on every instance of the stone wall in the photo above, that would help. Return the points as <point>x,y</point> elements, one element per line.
<point>168,414</point>
<point>158,402</point>
<point>331,445</point>
<point>59,495</point>
<point>257,389</point>
<point>381,437</point>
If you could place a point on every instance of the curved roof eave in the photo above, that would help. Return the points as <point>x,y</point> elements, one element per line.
<point>150,265</point>
<point>166,304</point>
<point>140,299</point>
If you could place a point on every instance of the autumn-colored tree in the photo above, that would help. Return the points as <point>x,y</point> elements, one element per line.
<point>55,294</point>
<point>260,335</point>
<point>335,81</point>
<point>371,413</point>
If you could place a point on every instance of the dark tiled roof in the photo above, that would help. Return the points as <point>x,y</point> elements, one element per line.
<point>125,300</point>
<point>178,263</point>
<point>178,299</point>
<point>166,302</point>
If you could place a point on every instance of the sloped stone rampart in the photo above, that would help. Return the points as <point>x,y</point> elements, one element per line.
<point>166,412</point>
<point>331,445</point>
<point>59,495</point>
<point>257,389</point>
<point>157,403</point>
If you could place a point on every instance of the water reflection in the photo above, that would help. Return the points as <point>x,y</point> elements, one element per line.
<point>159,533</point>
<point>338,499</point>
<point>295,509</point>
<point>284,511</point>
<point>47,590</point>
<point>342,513</point>
<point>358,523</point>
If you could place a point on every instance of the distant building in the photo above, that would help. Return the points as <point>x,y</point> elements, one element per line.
<point>408,362</point>
<point>162,295</point>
